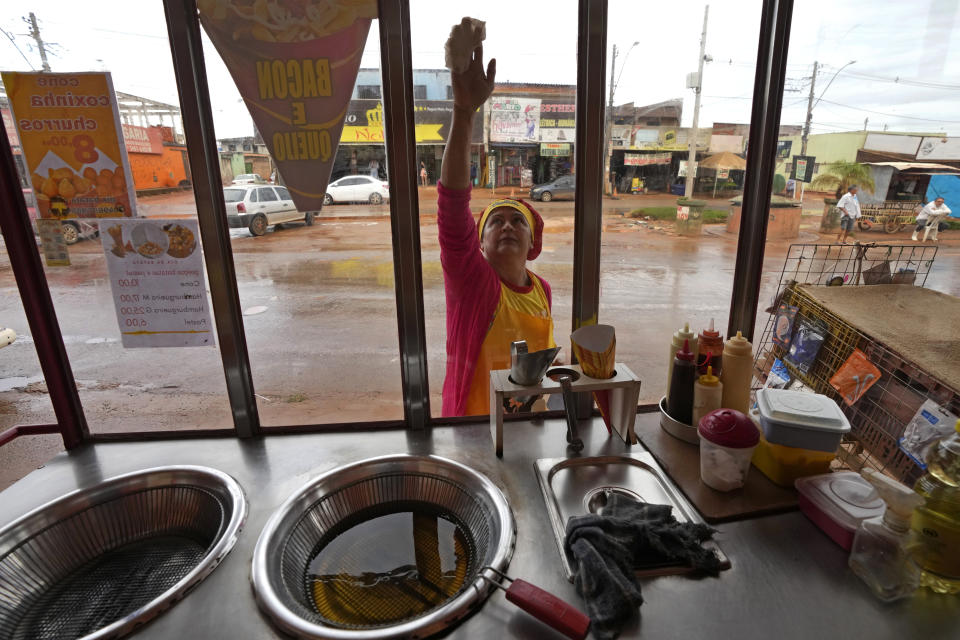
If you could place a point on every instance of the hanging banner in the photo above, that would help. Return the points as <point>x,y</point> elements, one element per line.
<point>295,65</point>
<point>514,120</point>
<point>641,159</point>
<point>142,139</point>
<point>159,287</point>
<point>70,137</point>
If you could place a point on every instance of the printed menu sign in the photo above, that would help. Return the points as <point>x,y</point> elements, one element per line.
<point>54,246</point>
<point>159,288</point>
<point>69,128</point>
<point>295,63</point>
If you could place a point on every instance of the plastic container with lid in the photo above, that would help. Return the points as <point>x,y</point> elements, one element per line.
<point>727,441</point>
<point>838,503</point>
<point>800,419</point>
<point>784,465</point>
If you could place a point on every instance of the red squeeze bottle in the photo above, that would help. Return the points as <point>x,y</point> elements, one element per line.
<point>710,344</point>
<point>680,400</point>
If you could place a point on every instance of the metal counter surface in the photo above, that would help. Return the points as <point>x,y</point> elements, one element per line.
<point>788,580</point>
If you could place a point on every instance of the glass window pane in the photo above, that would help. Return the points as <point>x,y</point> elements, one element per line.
<point>283,193</point>
<point>518,142</point>
<point>124,389</point>
<point>665,263</point>
<point>266,195</point>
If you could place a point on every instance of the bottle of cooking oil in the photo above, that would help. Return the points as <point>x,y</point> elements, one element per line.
<point>936,523</point>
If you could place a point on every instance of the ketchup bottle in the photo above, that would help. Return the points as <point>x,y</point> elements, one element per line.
<point>710,347</point>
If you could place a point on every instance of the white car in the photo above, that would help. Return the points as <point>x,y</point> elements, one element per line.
<point>257,206</point>
<point>357,189</point>
<point>248,178</point>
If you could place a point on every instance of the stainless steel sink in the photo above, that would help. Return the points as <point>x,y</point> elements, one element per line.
<point>578,486</point>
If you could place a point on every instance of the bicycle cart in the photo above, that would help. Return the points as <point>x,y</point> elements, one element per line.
<point>891,216</point>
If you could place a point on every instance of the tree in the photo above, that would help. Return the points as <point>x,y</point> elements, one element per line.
<point>840,175</point>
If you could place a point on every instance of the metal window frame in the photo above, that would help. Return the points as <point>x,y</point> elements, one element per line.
<point>397,77</point>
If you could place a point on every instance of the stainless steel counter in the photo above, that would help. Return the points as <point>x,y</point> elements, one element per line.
<point>788,580</point>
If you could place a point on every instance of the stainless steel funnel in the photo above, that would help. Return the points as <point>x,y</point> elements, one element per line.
<point>528,368</point>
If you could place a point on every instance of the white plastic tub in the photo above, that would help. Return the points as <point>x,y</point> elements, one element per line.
<point>799,419</point>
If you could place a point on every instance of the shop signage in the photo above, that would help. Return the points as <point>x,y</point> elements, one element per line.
<point>802,170</point>
<point>515,120</point>
<point>296,75</point>
<point>554,149</point>
<point>723,174</point>
<point>558,135</point>
<point>939,148</point>
<point>364,122</point>
<point>668,139</point>
<point>682,168</point>
<point>142,139</point>
<point>783,148</point>
<point>643,159</point>
<point>69,129</point>
<point>158,283</point>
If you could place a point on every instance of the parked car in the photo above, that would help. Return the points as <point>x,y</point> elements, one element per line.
<point>248,178</point>
<point>257,206</point>
<point>357,189</point>
<point>562,187</point>
<point>74,229</point>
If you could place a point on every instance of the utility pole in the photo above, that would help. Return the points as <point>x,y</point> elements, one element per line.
<point>609,128</point>
<point>35,34</point>
<point>692,138</point>
<point>806,125</point>
<point>865,122</point>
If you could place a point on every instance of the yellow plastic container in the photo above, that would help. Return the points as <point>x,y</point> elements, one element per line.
<point>783,464</point>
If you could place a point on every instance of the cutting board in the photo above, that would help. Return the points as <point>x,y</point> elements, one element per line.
<point>681,461</point>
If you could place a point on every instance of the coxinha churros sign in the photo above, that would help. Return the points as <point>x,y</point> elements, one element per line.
<point>69,129</point>
<point>295,63</point>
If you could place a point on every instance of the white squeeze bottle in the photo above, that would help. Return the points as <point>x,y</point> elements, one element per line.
<point>676,344</point>
<point>737,373</point>
<point>707,393</point>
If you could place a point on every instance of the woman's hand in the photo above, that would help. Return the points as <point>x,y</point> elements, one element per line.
<point>472,87</point>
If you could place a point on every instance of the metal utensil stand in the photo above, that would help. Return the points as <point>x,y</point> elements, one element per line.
<point>624,389</point>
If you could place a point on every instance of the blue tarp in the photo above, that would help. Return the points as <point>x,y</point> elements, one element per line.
<point>948,188</point>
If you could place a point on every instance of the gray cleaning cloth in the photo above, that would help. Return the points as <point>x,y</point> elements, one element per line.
<point>605,549</point>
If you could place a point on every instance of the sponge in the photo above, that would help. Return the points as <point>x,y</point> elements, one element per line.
<point>464,38</point>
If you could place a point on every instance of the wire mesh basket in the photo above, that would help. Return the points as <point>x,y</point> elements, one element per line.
<point>101,561</point>
<point>878,416</point>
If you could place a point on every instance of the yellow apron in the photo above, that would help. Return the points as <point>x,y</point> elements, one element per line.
<point>519,316</point>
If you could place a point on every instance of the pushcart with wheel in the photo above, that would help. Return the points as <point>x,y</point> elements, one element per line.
<point>891,216</point>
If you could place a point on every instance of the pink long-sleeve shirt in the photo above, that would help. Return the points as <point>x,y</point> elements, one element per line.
<point>472,290</point>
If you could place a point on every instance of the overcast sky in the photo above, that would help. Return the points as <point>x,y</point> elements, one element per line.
<point>906,76</point>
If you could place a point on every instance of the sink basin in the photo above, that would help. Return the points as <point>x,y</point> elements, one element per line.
<point>578,486</point>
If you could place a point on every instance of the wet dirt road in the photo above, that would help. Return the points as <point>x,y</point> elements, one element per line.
<point>320,318</point>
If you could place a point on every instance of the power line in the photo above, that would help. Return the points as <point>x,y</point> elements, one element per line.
<point>903,81</point>
<point>22,54</point>
<point>891,115</point>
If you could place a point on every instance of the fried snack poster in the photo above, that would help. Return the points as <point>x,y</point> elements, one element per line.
<point>69,128</point>
<point>295,63</point>
<point>158,283</point>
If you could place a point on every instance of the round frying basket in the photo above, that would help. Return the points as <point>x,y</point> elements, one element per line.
<point>356,495</point>
<point>101,561</point>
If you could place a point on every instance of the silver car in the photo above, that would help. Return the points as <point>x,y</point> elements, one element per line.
<point>256,206</point>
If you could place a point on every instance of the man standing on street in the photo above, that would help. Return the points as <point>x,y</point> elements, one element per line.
<point>931,214</point>
<point>849,211</point>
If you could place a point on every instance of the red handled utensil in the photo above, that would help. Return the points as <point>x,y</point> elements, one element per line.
<point>542,605</point>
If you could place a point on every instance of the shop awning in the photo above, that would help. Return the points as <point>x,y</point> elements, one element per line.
<point>724,160</point>
<point>917,167</point>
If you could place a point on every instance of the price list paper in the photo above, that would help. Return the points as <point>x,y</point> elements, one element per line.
<point>159,288</point>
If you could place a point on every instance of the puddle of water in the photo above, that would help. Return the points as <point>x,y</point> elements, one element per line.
<point>16,382</point>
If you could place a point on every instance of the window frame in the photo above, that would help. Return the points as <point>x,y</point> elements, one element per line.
<point>398,97</point>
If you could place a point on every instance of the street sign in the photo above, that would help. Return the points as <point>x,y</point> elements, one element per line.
<point>803,166</point>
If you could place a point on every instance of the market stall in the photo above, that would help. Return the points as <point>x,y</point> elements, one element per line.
<point>722,165</point>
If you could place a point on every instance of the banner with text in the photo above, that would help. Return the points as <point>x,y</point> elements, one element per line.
<point>142,139</point>
<point>69,128</point>
<point>295,65</point>
<point>514,120</point>
<point>641,159</point>
<point>159,287</point>
<point>364,122</point>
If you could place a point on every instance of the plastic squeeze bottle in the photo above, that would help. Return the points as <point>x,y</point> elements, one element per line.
<point>707,394</point>
<point>676,344</point>
<point>737,373</point>
<point>710,350</point>
<point>878,555</point>
<point>936,523</point>
<point>680,400</point>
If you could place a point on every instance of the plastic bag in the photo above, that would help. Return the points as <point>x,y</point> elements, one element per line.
<point>779,376</point>
<point>854,377</point>
<point>807,340</point>
<point>931,423</point>
<point>783,325</point>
